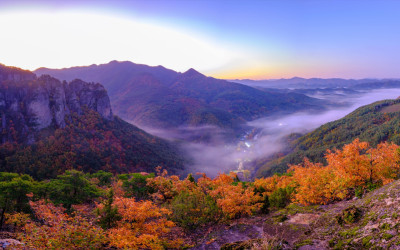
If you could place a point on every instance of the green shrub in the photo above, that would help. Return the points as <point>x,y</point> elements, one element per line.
<point>191,178</point>
<point>350,215</point>
<point>13,193</point>
<point>72,187</point>
<point>368,187</point>
<point>280,218</point>
<point>135,184</point>
<point>191,210</point>
<point>387,236</point>
<point>281,197</point>
<point>108,214</point>
<point>265,205</point>
<point>105,178</point>
<point>366,241</point>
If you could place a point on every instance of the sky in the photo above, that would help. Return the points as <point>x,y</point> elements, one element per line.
<point>250,39</point>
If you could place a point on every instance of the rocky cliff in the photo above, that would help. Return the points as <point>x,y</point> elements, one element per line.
<point>29,104</point>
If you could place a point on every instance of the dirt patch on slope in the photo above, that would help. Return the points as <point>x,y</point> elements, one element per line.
<point>391,109</point>
<point>303,219</point>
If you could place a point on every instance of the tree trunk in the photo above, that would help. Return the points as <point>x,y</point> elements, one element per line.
<point>3,211</point>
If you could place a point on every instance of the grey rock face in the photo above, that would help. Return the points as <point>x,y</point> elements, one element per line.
<point>93,96</point>
<point>38,108</point>
<point>29,104</point>
<point>57,100</point>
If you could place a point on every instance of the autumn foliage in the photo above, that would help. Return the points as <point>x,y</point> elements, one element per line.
<point>144,211</point>
<point>355,167</point>
<point>234,199</point>
<point>55,229</point>
<point>142,226</point>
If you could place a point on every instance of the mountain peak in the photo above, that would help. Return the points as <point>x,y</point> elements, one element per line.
<point>296,78</point>
<point>192,73</point>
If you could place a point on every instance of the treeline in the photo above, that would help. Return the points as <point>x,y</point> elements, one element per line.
<point>152,211</point>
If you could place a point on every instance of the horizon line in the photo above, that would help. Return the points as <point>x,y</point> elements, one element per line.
<point>227,79</point>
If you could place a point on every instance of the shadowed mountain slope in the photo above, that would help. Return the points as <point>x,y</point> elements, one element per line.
<point>49,126</point>
<point>162,98</point>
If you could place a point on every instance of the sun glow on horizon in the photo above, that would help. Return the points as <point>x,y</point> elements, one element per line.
<point>66,38</point>
<point>263,40</point>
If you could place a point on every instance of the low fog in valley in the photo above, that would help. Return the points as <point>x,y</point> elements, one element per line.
<point>264,136</point>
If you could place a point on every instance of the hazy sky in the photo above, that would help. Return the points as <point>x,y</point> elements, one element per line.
<point>226,39</point>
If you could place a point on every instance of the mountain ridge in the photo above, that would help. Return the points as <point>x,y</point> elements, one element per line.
<point>128,85</point>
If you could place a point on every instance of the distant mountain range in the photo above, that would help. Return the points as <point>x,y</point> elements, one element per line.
<point>373,123</point>
<point>48,126</point>
<point>313,83</point>
<point>162,98</point>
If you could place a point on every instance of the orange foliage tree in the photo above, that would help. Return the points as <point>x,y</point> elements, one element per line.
<point>356,166</point>
<point>234,200</point>
<point>165,187</point>
<point>269,185</point>
<point>361,165</point>
<point>59,230</point>
<point>143,226</point>
<point>385,159</point>
<point>316,184</point>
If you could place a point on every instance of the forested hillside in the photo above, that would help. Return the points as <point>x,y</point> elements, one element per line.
<point>373,123</point>
<point>90,143</point>
<point>50,126</point>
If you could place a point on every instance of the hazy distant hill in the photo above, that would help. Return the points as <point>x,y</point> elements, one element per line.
<point>383,84</point>
<point>373,123</point>
<point>49,126</point>
<point>312,83</point>
<point>158,97</point>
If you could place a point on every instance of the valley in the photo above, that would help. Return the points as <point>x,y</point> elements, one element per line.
<point>223,128</point>
<point>199,124</point>
<point>319,162</point>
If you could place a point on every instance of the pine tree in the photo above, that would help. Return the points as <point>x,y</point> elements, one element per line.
<point>108,214</point>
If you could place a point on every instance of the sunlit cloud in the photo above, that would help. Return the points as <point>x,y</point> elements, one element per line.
<point>33,39</point>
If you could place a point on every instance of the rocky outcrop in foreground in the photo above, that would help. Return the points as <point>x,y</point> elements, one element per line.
<point>370,222</point>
